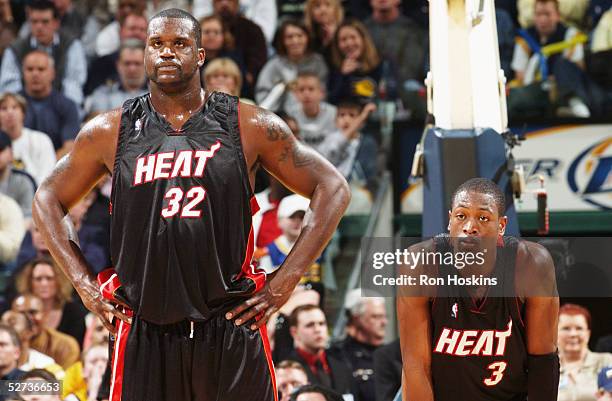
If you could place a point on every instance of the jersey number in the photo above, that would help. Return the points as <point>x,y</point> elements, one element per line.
<point>176,195</point>
<point>497,374</point>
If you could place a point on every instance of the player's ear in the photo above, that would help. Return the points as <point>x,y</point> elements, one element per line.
<point>449,220</point>
<point>201,56</point>
<point>503,222</point>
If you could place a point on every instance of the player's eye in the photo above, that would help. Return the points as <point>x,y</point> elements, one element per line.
<point>179,43</point>
<point>460,216</point>
<point>484,218</point>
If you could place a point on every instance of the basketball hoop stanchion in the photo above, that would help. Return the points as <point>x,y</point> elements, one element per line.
<point>466,98</point>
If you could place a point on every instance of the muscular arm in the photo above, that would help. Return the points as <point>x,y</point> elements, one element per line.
<point>414,319</point>
<point>269,143</point>
<point>74,176</point>
<point>541,320</point>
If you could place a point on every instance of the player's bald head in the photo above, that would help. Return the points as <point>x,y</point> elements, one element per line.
<point>183,15</point>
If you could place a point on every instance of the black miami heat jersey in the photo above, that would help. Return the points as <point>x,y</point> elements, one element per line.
<point>181,205</point>
<point>479,350</point>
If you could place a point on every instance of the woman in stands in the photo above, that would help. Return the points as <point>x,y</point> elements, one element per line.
<point>322,18</point>
<point>356,64</point>
<point>579,365</point>
<point>43,278</point>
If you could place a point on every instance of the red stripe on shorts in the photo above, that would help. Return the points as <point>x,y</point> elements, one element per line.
<point>263,332</point>
<point>123,330</point>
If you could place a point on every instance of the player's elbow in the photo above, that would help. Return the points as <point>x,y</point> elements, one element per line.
<point>342,192</point>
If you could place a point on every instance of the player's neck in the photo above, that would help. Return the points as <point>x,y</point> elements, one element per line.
<point>177,106</point>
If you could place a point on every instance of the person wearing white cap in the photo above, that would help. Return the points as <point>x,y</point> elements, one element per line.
<point>291,211</point>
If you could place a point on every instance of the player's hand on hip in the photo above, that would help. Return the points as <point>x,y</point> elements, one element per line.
<point>262,305</point>
<point>93,300</point>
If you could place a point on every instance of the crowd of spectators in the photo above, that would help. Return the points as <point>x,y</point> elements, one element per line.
<point>324,66</point>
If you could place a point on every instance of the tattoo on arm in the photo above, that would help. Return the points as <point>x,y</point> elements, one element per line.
<point>301,158</point>
<point>275,132</point>
<point>285,153</point>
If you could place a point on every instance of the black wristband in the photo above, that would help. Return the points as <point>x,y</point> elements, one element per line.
<point>543,377</point>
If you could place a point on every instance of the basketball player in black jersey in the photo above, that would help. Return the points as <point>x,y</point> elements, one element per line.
<point>479,342</point>
<point>192,309</point>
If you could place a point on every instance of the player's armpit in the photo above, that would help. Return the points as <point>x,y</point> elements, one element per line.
<point>414,318</point>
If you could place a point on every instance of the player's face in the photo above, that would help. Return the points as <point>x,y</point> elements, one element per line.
<point>311,330</point>
<point>473,218</point>
<point>573,334</point>
<point>44,284</point>
<point>171,55</point>
<point>288,380</point>
<point>11,114</point>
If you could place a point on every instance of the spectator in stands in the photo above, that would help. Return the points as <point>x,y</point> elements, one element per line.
<point>565,61</point>
<point>17,184</point>
<point>506,34</point>
<point>9,354</point>
<point>222,75</point>
<point>71,20</point>
<point>250,41</point>
<point>604,384</point>
<point>291,211</point>
<point>12,229</point>
<point>265,221</point>
<point>219,42</point>
<point>104,68</point>
<point>356,65</point>
<point>96,333</point>
<point>48,111</point>
<point>290,376</point>
<point>38,375</point>
<point>308,327</point>
<point>279,334</point>
<point>322,18</point>
<point>367,321</point>
<point>601,55</point>
<point>353,154</point>
<point>8,30</point>
<point>30,358</point>
<point>293,54</point>
<point>315,117</point>
<point>388,368</point>
<point>83,379</point>
<point>404,54</point>
<point>131,82</point>
<point>579,365</point>
<point>44,279</point>
<point>70,63</point>
<point>314,392</point>
<point>63,348</point>
<point>261,12</point>
<point>32,150</point>
<point>33,246</point>
<point>109,38</point>
<point>571,12</point>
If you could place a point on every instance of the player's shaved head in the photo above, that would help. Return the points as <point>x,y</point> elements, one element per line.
<point>177,13</point>
<point>482,186</point>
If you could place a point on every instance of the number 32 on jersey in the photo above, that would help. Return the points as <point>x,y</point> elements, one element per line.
<point>184,203</point>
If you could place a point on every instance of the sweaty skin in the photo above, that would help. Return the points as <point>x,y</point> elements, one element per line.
<point>172,60</point>
<point>475,214</point>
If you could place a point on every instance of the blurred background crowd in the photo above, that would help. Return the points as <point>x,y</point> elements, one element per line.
<point>339,72</point>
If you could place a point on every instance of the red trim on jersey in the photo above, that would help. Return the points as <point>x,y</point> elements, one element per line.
<point>518,311</point>
<point>117,359</point>
<point>109,283</point>
<point>263,332</point>
<point>248,269</point>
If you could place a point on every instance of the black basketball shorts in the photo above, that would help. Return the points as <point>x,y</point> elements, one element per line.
<point>200,361</point>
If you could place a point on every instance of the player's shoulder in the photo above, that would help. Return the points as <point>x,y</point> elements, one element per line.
<point>102,125</point>
<point>535,267</point>
<point>533,254</point>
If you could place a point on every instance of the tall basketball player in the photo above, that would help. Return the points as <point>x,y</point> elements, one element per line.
<point>183,164</point>
<point>477,342</point>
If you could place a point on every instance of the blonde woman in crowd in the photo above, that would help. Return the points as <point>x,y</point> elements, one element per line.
<point>223,75</point>
<point>322,18</point>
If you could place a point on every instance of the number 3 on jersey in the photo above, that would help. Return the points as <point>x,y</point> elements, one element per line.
<point>497,374</point>
<point>176,195</point>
